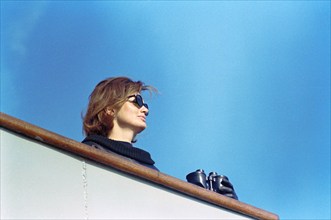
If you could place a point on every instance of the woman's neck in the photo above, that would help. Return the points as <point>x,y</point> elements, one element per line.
<point>121,135</point>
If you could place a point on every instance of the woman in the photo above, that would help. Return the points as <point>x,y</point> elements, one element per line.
<point>116,113</point>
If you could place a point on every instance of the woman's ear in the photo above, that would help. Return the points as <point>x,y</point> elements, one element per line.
<point>110,111</point>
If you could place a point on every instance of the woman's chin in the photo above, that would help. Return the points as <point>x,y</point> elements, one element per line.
<point>141,128</point>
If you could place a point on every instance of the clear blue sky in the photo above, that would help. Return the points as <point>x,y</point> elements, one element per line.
<point>244,85</point>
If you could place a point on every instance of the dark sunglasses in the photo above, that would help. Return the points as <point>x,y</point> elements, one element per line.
<point>138,101</point>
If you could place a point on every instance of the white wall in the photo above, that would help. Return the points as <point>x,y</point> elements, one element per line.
<point>38,181</point>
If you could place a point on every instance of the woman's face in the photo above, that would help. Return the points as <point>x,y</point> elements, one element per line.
<point>131,116</point>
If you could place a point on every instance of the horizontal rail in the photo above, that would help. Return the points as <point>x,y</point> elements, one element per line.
<point>126,166</point>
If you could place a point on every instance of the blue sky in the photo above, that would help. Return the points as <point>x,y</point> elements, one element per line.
<point>244,85</point>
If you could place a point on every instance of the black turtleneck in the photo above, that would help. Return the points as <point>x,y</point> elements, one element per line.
<point>122,148</point>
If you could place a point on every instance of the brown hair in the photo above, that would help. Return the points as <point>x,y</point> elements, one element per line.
<point>109,93</point>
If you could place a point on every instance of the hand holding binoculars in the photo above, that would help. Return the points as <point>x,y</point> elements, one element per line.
<point>214,182</point>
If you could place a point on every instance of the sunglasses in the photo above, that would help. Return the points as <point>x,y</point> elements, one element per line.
<point>138,101</point>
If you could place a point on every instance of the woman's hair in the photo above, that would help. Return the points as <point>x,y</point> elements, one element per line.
<point>110,93</point>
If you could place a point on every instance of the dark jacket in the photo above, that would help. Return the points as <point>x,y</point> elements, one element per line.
<point>122,148</point>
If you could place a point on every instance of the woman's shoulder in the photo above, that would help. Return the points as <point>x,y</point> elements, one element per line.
<point>120,148</point>
<point>101,140</point>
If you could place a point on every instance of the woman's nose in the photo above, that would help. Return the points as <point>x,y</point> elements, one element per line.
<point>145,110</point>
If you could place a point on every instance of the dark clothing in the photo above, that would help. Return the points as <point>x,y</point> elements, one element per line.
<point>122,148</point>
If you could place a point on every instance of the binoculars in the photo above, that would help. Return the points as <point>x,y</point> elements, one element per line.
<point>214,182</point>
